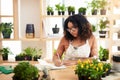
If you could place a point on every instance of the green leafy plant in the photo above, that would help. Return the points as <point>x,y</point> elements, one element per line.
<point>71,10</point>
<point>82,10</point>
<point>37,54</point>
<point>29,53</point>
<point>25,71</point>
<point>20,57</point>
<point>58,7</point>
<point>94,28</point>
<point>103,24</point>
<point>6,29</point>
<point>50,10</point>
<point>62,7</point>
<point>94,5</point>
<point>5,52</point>
<point>103,54</point>
<point>102,4</point>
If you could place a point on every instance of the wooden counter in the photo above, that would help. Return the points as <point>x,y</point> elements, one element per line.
<point>61,74</point>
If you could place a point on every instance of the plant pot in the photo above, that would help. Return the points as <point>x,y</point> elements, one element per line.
<point>29,58</point>
<point>52,13</point>
<point>69,12</point>
<point>102,34</point>
<point>35,58</point>
<point>104,74</point>
<point>5,57</point>
<point>48,12</point>
<point>103,59</point>
<point>87,78</point>
<point>17,78</point>
<point>83,78</point>
<point>82,13</point>
<point>103,12</point>
<point>94,12</point>
<point>59,12</point>
<point>6,35</point>
<point>73,12</point>
<point>19,58</point>
<point>116,58</point>
<point>63,12</point>
<point>118,36</point>
<point>118,48</point>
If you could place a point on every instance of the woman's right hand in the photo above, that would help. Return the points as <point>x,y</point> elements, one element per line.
<point>58,62</point>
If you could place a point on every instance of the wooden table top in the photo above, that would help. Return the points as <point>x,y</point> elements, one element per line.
<point>60,74</point>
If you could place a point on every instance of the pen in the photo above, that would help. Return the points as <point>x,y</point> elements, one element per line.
<point>59,58</point>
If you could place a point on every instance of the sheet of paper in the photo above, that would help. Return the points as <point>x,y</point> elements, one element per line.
<point>43,63</point>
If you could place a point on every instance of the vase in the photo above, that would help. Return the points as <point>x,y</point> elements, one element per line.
<point>29,30</point>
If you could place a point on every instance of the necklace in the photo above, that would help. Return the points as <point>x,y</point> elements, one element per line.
<point>75,48</point>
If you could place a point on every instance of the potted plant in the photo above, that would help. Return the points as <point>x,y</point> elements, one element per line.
<point>28,53</point>
<point>82,10</point>
<point>102,5</point>
<point>25,71</point>
<point>37,54</point>
<point>50,10</point>
<point>103,54</point>
<point>63,9</point>
<point>58,8</point>
<point>55,29</point>
<point>6,29</point>
<point>89,69</point>
<point>5,52</point>
<point>103,24</point>
<point>94,5</point>
<point>71,10</point>
<point>20,57</point>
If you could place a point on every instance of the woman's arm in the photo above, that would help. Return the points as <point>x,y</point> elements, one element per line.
<point>59,52</point>
<point>93,44</point>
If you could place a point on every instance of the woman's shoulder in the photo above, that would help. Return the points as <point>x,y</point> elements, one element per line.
<point>64,40</point>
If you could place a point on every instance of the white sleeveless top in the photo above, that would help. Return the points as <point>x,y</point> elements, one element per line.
<point>73,53</point>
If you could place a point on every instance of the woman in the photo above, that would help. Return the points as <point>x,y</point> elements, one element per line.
<point>78,41</point>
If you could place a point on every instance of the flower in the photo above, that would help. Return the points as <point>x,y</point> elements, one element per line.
<point>91,69</point>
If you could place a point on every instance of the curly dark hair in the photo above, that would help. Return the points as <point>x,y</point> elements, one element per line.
<point>84,27</point>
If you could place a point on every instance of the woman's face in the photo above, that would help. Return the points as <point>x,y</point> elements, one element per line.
<point>73,30</point>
